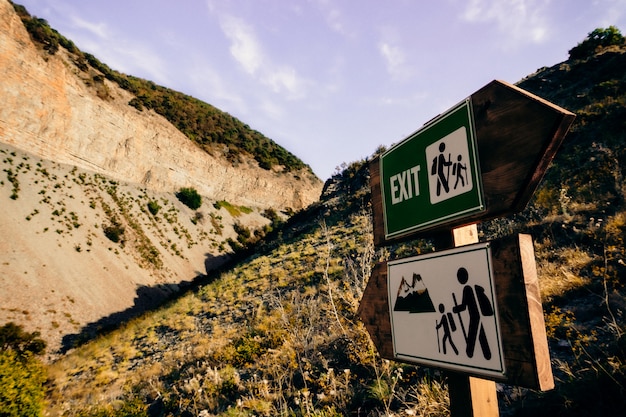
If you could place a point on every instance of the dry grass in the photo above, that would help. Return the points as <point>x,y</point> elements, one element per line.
<point>271,337</point>
<point>562,273</point>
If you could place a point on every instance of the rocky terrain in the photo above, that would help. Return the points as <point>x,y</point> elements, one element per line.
<point>77,159</point>
<point>57,111</point>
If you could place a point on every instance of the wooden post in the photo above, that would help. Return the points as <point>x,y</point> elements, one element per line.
<point>469,396</point>
<point>503,117</point>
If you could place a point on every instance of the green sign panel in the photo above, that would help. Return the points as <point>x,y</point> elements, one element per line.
<point>432,176</point>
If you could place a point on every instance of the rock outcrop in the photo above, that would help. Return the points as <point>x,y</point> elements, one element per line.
<point>54,110</point>
<point>82,175</point>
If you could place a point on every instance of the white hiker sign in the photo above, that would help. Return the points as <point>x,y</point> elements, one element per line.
<point>443,310</point>
<point>449,160</point>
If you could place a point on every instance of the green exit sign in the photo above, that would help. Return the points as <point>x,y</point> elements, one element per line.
<point>432,177</point>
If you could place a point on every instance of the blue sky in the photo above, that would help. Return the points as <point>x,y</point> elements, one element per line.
<point>329,80</point>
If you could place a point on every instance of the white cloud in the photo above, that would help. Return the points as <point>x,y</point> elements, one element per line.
<point>285,80</point>
<point>521,21</point>
<point>248,52</point>
<point>100,30</point>
<point>333,17</point>
<point>117,50</point>
<point>244,46</point>
<point>208,85</point>
<point>395,60</point>
<point>142,56</point>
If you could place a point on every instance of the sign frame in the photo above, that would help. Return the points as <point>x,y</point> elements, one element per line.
<point>437,273</point>
<point>424,203</point>
<point>524,340</point>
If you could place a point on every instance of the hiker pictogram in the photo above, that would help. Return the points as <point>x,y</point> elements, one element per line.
<point>448,326</point>
<point>449,167</point>
<point>459,170</point>
<point>441,168</point>
<point>477,304</point>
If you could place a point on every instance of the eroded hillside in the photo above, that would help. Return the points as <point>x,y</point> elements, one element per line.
<point>60,108</point>
<point>80,248</point>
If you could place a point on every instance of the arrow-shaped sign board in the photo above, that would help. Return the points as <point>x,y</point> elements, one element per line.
<point>482,159</point>
<point>474,309</point>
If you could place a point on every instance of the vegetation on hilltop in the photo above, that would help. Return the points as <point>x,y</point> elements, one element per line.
<point>596,41</point>
<point>210,128</point>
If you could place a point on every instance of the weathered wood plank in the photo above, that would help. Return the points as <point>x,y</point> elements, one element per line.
<point>377,202</point>
<point>518,135</point>
<point>521,314</point>
<point>374,311</point>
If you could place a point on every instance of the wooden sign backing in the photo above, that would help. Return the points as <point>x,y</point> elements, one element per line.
<point>517,136</point>
<point>526,355</point>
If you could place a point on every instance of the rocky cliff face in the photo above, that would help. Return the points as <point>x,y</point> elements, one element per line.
<point>56,111</point>
<point>79,247</point>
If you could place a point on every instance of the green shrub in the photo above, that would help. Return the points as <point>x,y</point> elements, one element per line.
<point>233,210</point>
<point>114,232</point>
<point>153,207</point>
<point>21,384</point>
<point>190,198</point>
<point>22,375</point>
<point>136,103</point>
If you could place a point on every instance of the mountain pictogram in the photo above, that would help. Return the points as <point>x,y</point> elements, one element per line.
<point>413,297</point>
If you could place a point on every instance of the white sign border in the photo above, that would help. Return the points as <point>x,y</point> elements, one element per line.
<point>477,370</point>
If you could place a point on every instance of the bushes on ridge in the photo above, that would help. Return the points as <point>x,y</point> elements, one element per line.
<point>189,197</point>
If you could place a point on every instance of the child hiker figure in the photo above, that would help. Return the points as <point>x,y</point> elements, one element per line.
<point>477,304</point>
<point>447,322</point>
<point>459,170</point>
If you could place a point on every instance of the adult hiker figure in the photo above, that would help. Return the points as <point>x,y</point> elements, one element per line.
<point>447,322</point>
<point>439,164</point>
<point>477,304</point>
<point>459,170</point>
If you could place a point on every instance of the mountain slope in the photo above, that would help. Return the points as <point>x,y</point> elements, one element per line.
<point>277,334</point>
<point>80,171</point>
<point>58,107</point>
<point>81,250</point>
